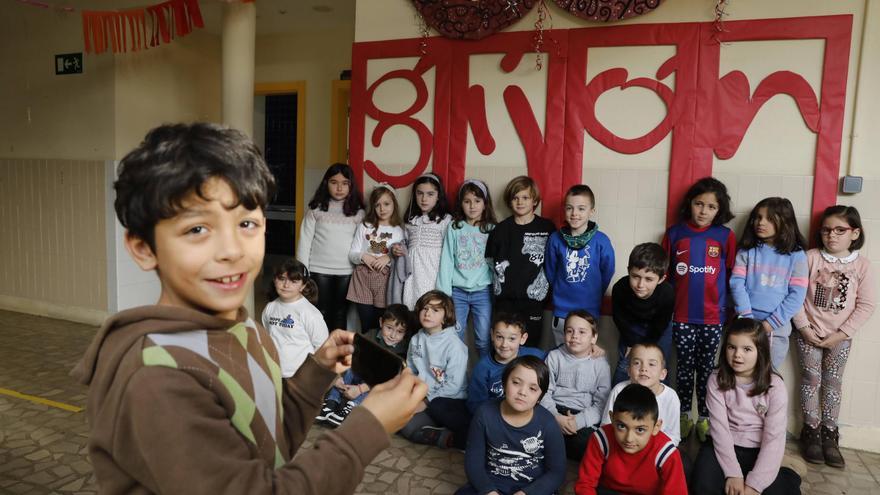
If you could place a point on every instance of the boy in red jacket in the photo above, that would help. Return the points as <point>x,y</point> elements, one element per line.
<point>631,456</point>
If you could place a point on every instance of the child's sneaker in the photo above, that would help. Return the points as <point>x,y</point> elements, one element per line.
<point>686,424</point>
<point>702,428</point>
<point>337,417</point>
<point>433,435</point>
<point>329,407</point>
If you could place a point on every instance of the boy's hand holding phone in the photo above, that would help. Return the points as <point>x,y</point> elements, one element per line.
<point>335,353</point>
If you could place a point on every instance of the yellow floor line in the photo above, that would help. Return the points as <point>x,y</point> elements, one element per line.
<point>40,400</point>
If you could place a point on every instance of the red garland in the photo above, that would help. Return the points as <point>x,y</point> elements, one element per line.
<point>140,28</point>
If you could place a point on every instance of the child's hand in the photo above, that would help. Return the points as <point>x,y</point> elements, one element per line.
<point>351,392</point>
<point>567,424</point>
<point>398,250</point>
<point>339,383</point>
<point>832,340</point>
<point>379,262</point>
<point>335,354</point>
<point>597,352</point>
<point>810,336</point>
<point>383,261</point>
<point>394,402</point>
<point>368,259</point>
<point>734,486</point>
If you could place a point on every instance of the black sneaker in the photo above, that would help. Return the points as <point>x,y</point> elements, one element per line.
<point>336,418</point>
<point>433,435</point>
<point>328,408</point>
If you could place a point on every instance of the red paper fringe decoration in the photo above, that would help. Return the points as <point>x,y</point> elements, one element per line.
<point>140,28</point>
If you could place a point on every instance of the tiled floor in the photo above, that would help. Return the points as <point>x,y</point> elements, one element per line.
<point>42,449</point>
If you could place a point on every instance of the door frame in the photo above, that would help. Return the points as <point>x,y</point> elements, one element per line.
<point>298,87</point>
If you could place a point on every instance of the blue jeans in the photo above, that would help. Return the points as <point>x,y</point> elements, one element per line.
<point>479,305</point>
<point>349,378</point>
<point>621,372</point>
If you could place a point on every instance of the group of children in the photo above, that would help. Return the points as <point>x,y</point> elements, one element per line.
<point>196,218</point>
<point>461,269</point>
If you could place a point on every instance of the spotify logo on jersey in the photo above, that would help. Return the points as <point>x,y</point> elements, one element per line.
<point>681,268</point>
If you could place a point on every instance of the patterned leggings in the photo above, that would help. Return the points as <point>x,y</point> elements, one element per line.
<point>821,368</point>
<point>696,347</point>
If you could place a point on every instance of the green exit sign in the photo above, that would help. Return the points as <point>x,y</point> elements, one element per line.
<point>68,63</point>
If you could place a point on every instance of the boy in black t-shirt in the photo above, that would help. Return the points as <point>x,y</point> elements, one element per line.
<point>642,305</point>
<point>516,247</point>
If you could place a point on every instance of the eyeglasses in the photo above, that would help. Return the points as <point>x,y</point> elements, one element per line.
<point>836,230</point>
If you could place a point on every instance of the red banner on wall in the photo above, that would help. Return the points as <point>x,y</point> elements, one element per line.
<point>706,114</point>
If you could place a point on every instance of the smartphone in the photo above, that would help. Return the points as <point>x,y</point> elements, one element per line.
<point>373,363</point>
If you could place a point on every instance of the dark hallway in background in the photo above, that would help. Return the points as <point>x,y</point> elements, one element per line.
<point>279,150</point>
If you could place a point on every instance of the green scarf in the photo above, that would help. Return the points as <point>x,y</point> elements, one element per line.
<point>579,241</point>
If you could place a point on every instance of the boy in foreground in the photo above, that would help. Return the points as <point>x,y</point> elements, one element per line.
<point>186,396</point>
<point>631,455</point>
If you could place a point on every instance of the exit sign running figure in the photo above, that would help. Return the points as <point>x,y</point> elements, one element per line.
<point>69,63</point>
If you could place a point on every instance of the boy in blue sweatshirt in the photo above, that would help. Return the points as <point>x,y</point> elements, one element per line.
<point>439,358</point>
<point>454,415</point>
<point>579,261</point>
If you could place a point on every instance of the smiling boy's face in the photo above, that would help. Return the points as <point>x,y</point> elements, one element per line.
<point>646,367</point>
<point>506,340</point>
<point>633,434</point>
<point>207,255</point>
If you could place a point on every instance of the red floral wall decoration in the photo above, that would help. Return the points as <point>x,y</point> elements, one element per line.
<point>707,114</point>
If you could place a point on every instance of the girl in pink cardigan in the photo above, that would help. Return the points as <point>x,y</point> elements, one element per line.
<point>747,405</point>
<point>840,299</point>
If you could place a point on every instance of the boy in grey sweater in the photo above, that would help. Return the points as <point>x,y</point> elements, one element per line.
<point>580,380</point>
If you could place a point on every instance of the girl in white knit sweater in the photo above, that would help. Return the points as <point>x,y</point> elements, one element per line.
<point>327,228</point>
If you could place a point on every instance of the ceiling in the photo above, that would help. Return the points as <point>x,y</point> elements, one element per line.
<point>273,16</point>
<point>288,16</point>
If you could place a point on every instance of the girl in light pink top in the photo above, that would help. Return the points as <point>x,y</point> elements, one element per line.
<point>840,299</point>
<point>747,405</point>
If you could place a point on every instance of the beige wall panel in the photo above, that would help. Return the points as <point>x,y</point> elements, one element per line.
<point>41,114</point>
<point>177,82</point>
<point>49,242</point>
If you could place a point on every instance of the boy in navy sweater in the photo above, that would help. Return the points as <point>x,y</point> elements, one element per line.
<point>579,261</point>
<point>642,305</point>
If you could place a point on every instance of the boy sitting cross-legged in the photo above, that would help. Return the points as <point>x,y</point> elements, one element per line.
<point>186,396</point>
<point>579,383</point>
<point>508,336</point>
<point>438,357</point>
<point>631,456</point>
<point>349,390</point>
